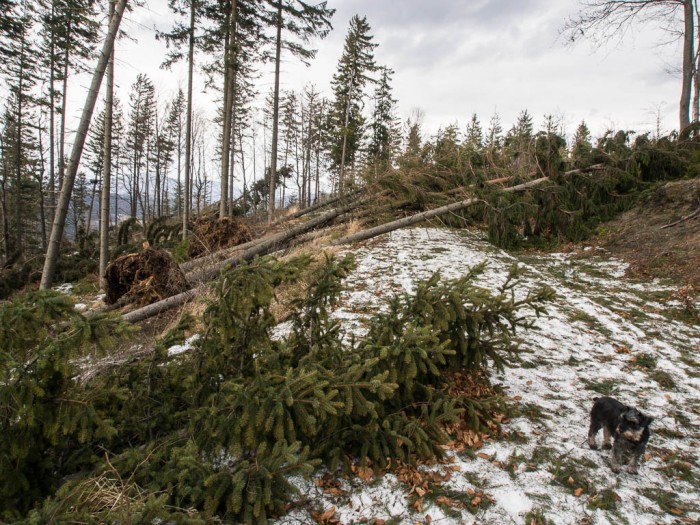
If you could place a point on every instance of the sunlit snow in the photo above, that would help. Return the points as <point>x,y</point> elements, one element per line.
<point>599,323</point>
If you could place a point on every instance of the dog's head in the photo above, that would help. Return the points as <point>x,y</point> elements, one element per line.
<point>632,424</point>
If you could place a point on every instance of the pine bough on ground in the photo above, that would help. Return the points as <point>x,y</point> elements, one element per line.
<point>604,334</point>
<point>227,429</point>
<point>219,431</point>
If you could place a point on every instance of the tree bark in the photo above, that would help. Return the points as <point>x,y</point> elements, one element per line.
<point>275,116</point>
<point>188,126</point>
<point>106,165</point>
<point>228,110</point>
<point>72,168</point>
<point>688,62</point>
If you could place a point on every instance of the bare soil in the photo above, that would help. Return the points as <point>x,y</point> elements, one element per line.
<point>639,237</point>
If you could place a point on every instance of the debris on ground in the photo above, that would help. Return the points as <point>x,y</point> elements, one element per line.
<point>210,234</point>
<point>146,277</point>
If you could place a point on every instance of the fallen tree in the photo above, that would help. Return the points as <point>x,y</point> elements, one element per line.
<point>283,239</point>
<point>264,247</point>
<point>426,215</point>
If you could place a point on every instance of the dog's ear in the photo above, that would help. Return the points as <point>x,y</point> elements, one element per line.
<point>631,415</point>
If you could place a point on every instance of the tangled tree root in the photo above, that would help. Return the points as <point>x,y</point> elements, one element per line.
<point>211,234</point>
<point>146,277</point>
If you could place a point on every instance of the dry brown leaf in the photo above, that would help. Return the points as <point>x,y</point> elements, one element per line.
<point>571,480</point>
<point>326,517</point>
<point>578,492</point>
<point>476,501</point>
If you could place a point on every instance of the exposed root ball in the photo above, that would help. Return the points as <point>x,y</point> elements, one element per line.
<point>147,277</point>
<point>211,234</point>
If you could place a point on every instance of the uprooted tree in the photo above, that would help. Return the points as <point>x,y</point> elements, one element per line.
<point>217,431</point>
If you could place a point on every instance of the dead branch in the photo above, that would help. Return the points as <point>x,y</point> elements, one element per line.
<point>682,219</point>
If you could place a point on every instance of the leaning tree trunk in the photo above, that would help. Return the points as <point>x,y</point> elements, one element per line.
<point>107,165</point>
<point>80,135</point>
<point>688,62</point>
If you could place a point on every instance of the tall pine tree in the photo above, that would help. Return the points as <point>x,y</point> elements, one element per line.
<point>346,120</point>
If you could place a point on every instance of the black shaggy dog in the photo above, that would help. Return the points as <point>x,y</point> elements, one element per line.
<point>626,425</point>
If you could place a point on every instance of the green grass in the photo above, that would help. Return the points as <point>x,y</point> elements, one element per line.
<point>537,517</point>
<point>605,499</point>
<point>570,475</point>
<point>529,410</point>
<point>606,387</point>
<point>645,360</point>
<point>666,500</point>
<point>664,379</point>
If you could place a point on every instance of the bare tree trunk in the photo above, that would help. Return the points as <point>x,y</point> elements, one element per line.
<point>107,165</point>
<point>228,109</point>
<point>20,130</point>
<point>696,72</point>
<point>275,115</point>
<point>52,120</point>
<point>64,105</point>
<point>80,135</point>
<point>688,62</point>
<point>341,175</point>
<point>42,197</point>
<point>188,125</point>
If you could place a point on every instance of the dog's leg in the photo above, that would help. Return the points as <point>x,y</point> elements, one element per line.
<point>616,456</point>
<point>607,442</point>
<point>633,467</point>
<point>592,431</point>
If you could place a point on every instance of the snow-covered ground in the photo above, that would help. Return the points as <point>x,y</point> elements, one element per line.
<point>605,334</point>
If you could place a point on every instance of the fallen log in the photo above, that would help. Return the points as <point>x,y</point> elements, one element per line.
<point>424,216</point>
<point>268,245</point>
<point>161,306</point>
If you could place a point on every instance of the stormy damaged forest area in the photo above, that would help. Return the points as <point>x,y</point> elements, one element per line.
<point>344,262</point>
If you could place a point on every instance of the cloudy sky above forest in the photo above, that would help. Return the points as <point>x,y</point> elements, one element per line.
<point>453,58</point>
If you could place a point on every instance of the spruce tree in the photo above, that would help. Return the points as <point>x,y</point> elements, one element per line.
<point>139,138</point>
<point>347,124</point>
<point>384,126</point>
<point>581,147</point>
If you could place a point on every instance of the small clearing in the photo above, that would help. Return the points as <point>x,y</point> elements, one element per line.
<point>605,334</point>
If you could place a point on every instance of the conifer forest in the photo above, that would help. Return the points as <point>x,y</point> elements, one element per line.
<point>227,296</point>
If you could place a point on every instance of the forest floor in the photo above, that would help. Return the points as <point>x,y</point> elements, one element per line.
<point>639,237</point>
<point>605,333</point>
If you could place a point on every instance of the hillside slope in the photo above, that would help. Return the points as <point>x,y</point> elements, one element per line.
<point>640,237</point>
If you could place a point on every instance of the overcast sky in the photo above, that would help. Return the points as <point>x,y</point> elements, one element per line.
<point>453,58</point>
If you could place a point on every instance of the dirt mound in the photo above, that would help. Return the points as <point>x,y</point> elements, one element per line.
<point>661,236</point>
<point>211,234</point>
<point>147,277</point>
